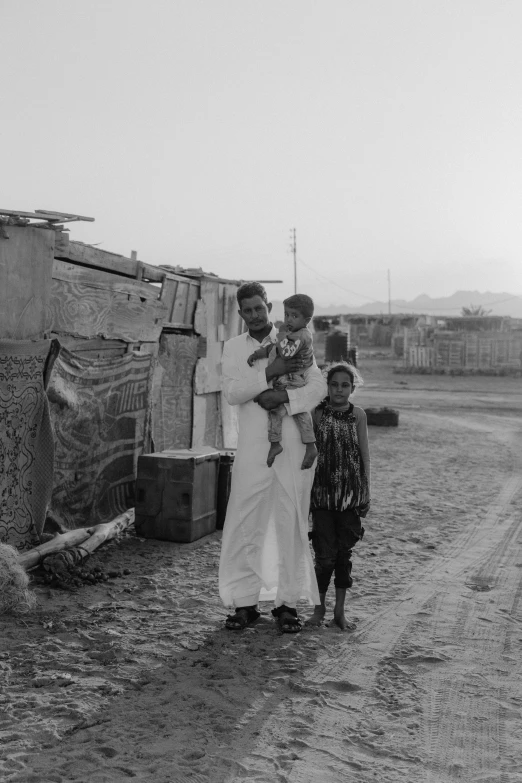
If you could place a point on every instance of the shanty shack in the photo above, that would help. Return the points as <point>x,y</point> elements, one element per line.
<point>102,358</point>
<point>485,344</point>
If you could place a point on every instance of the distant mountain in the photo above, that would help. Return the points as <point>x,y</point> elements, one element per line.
<point>499,303</point>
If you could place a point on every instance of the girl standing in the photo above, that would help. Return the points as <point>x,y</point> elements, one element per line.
<point>341,488</point>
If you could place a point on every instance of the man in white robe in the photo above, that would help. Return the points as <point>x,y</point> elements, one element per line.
<point>265,551</point>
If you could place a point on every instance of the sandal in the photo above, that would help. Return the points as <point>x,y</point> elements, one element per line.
<point>287,619</point>
<point>242,617</point>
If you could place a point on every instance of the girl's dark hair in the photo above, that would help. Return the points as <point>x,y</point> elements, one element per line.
<point>355,376</point>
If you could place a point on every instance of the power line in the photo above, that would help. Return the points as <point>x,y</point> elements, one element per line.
<point>373,299</point>
<point>335,283</point>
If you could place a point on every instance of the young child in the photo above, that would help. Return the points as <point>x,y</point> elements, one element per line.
<point>341,488</point>
<point>294,339</point>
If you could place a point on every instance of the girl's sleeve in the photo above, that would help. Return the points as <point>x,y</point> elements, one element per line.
<point>362,435</point>
<point>240,385</point>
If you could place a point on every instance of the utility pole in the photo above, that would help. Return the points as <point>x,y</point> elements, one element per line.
<point>294,251</point>
<point>389,293</point>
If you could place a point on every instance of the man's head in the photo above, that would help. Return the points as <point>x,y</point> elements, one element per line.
<point>299,310</point>
<point>254,307</point>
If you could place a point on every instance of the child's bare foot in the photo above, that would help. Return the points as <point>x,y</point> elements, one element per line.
<point>341,622</point>
<point>309,457</point>
<point>317,618</point>
<point>275,449</point>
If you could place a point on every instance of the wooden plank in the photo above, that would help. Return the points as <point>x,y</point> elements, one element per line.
<point>88,312</point>
<point>208,369</point>
<point>192,300</point>
<point>180,296</point>
<point>200,319</point>
<point>115,262</point>
<point>179,305</point>
<point>213,429</point>
<point>176,327</point>
<point>172,392</point>
<point>61,242</point>
<point>96,278</point>
<point>63,215</point>
<point>207,428</point>
<point>45,214</point>
<point>233,322</point>
<point>103,259</point>
<point>26,261</point>
<point>217,319</point>
<point>199,421</point>
<point>96,344</point>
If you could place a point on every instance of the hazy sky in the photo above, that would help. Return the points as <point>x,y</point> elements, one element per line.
<point>199,132</point>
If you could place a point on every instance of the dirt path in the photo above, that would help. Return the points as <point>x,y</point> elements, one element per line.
<point>137,678</point>
<point>428,689</point>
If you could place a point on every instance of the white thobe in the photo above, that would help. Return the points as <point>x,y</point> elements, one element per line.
<point>265,551</point>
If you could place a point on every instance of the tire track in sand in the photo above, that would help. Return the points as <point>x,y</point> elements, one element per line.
<point>397,701</point>
<point>468,727</point>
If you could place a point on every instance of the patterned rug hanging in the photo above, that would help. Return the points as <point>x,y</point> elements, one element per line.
<point>26,442</point>
<point>101,421</point>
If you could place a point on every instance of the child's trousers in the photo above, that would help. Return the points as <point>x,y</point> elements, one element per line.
<point>334,534</point>
<point>303,421</point>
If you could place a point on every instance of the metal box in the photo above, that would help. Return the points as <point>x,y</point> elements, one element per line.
<point>176,494</point>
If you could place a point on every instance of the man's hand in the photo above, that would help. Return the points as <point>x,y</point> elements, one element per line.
<point>271,398</point>
<point>282,366</point>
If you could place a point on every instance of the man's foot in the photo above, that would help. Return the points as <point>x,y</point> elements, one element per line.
<point>309,457</point>
<point>275,449</point>
<point>316,620</point>
<point>341,622</point>
<point>287,619</point>
<point>242,617</point>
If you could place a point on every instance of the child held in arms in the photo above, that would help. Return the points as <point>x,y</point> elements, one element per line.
<point>294,340</point>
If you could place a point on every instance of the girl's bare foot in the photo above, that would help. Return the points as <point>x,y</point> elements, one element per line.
<point>341,622</point>
<point>316,620</point>
<point>309,457</point>
<point>275,449</point>
<point>339,618</point>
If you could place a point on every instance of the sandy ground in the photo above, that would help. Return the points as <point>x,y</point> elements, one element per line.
<point>136,677</point>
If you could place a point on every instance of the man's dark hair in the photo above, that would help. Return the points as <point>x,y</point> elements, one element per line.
<point>301,302</point>
<point>248,290</point>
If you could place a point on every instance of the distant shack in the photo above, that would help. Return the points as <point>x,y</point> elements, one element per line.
<point>480,344</point>
<point>427,343</point>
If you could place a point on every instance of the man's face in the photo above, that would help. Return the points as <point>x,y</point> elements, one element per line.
<point>255,313</point>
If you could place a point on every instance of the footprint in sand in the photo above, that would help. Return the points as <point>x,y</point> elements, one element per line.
<point>338,686</point>
<point>107,752</point>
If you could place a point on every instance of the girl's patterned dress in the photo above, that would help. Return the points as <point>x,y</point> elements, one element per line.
<point>340,482</point>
